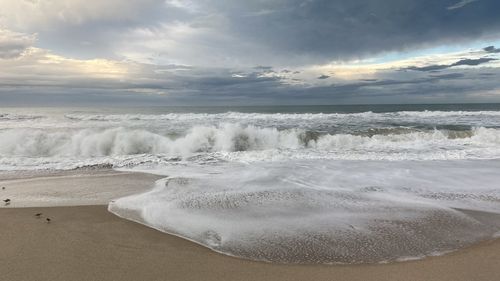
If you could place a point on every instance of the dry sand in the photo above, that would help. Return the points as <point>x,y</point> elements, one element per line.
<point>89,243</point>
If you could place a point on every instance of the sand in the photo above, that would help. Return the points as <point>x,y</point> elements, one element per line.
<point>89,243</point>
<point>71,188</point>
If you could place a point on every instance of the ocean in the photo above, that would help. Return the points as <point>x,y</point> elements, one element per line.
<point>287,184</point>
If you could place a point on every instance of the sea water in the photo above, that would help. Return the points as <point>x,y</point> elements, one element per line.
<point>310,184</point>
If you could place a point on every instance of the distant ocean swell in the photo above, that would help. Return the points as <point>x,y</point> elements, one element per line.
<point>285,116</point>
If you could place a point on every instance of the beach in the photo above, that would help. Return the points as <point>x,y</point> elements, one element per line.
<point>250,140</point>
<point>90,243</point>
<point>89,186</point>
<point>236,140</point>
<point>387,192</point>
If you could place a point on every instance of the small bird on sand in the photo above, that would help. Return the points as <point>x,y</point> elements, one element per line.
<point>48,220</point>
<point>6,201</point>
<point>38,215</point>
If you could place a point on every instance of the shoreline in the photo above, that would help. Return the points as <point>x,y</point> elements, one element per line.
<point>90,243</point>
<point>84,241</point>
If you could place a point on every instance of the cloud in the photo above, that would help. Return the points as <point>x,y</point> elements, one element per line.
<point>79,28</point>
<point>226,33</point>
<point>245,52</point>
<point>463,62</point>
<point>460,4</point>
<point>326,30</point>
<point>39,73</point>
<point>13,44</point>
<point>39,76</point>
<point>429,67</point>
<point>492,49</point>
<point>27,14</point>
<point>472,62</point>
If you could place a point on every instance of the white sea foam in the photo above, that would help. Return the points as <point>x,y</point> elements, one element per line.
<point>242,143</point>
<point>324,211</point>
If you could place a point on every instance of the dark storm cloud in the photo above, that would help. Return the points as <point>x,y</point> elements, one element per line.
<point>343,29</point>
<point>322,77</point>
<point>430,68</point>
<point>278,32</point>
<point>492,49</point>
<point>460,4</point>
<point>467,62</point>
<point>472,62</point>
<point>448,76</point>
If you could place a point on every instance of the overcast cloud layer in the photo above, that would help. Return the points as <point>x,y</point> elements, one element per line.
<point>248,52</point>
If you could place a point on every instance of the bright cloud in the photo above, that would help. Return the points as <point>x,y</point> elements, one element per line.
<point>29,14</point>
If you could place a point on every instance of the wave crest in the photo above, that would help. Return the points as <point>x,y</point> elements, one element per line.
<point>232,138</point>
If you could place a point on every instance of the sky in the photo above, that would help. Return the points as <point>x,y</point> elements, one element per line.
<point>252,52</point>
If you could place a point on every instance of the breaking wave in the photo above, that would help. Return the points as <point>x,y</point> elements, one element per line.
<point>237,138</point>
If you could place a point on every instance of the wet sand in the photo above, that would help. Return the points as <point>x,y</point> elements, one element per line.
<point>71,188</point>
<point>89,243</point>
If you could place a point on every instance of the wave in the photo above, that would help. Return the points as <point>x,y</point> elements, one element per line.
<point>276,116</point>
<point>20,117</point>
<point>236,138</point>
<point>216,116</point>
